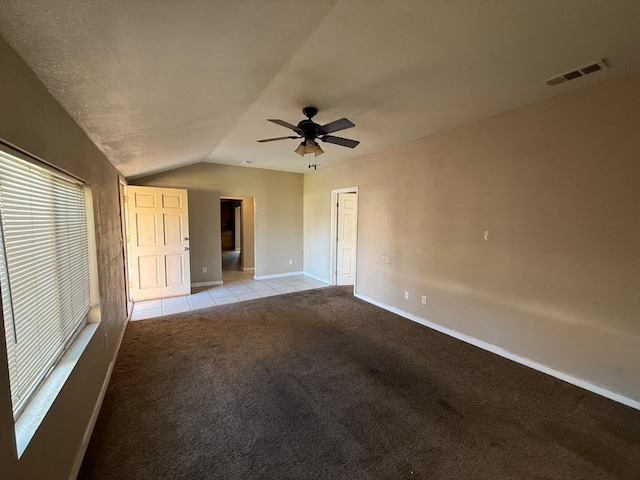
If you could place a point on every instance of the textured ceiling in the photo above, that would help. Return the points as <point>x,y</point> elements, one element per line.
<point>160,84</point>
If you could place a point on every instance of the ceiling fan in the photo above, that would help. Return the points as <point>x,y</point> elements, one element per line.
<point>309,131</point>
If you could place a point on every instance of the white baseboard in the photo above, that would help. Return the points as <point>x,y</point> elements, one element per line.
<point>277,275</point>
<point>316,277</point>
<point>207,284</point>
<point>248,269</point>
<point>577,381</point>
<point>96,409</point>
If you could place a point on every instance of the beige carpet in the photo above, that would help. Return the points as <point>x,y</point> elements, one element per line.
<point>320,385</point>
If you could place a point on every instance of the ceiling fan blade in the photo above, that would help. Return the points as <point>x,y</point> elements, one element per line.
<point>344,142</point>
<point>285,124</point>
<point>274,139</point>
<point>335,126</point>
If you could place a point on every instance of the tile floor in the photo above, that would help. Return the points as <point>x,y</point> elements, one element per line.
<point>238,286</point>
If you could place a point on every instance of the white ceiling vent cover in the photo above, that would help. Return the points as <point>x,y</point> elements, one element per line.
<point>578,72</point>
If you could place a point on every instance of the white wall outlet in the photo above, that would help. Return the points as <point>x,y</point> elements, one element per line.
<point>406,295</point>
<point>290,262</point>
<point>204,269</point>
<point>424,299</point>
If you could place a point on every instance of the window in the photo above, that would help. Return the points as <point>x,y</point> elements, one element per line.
<point>44,269</point>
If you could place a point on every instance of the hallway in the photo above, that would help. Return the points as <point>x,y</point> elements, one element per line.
<point>231,261</point>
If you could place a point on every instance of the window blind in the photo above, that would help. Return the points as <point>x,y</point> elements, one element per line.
<point>44,270</point>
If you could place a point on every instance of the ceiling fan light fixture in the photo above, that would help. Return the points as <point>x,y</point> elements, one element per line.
<point>311,151</point>
<point>310,146</point>
<point>301,150</point>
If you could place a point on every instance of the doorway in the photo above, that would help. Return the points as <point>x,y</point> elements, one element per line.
<point>231,234</point>
<point>237,233</point>
<point>344,236</point>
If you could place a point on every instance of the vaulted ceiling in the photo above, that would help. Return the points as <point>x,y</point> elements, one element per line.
<point>158,84</point>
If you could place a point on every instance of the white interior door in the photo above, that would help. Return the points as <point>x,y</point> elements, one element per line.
<point>159,242</point>
<point>346,238</point>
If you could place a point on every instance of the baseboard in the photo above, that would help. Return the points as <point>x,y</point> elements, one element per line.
<point>316,277</point>
<point>96,409</point>
<point>248,269</point>
<point>577,381</point>
<point>277,275</point>
<point>207,284</point>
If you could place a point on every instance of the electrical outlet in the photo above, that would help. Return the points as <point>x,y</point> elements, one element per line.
<point>406,295</point>
<point>290,262</point>
<point>204,269</point>
<point>424,299</point>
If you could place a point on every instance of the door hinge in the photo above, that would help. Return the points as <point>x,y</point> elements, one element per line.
<point>130,284</point>
<point>126,198</point>
<point>127,239</point>
<point>338,204</point>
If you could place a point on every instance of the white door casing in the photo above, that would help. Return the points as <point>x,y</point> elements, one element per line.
<point>346,238</point>
<point>159,242</point>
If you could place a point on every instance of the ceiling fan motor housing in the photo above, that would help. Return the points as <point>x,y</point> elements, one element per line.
<point>309,129</point>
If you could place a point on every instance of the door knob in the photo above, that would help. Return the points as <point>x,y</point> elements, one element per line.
<point>186,249</point>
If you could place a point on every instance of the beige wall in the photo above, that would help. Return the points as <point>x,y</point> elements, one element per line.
<point>557,187</point>
<point>32,120</point>
<point>278,206</point>
<point>249,234</point>
<point>204,231</point>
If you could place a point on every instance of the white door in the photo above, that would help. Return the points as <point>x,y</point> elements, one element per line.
<point>346,246</point>
<point>159,242</point>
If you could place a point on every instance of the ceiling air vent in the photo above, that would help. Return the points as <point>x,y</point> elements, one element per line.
<point>578,72</point>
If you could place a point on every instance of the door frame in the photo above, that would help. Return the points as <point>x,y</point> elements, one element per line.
<point>124,219</point>
<point>334,235</point>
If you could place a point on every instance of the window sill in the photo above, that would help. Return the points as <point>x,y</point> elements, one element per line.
<point>36,410</point>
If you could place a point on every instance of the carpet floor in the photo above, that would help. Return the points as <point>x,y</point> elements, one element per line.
<point>320,385</point>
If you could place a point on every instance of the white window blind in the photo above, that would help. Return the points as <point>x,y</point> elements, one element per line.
<point>44,270</point>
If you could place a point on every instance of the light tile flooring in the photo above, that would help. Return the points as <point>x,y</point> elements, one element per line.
<point>238,286</point>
